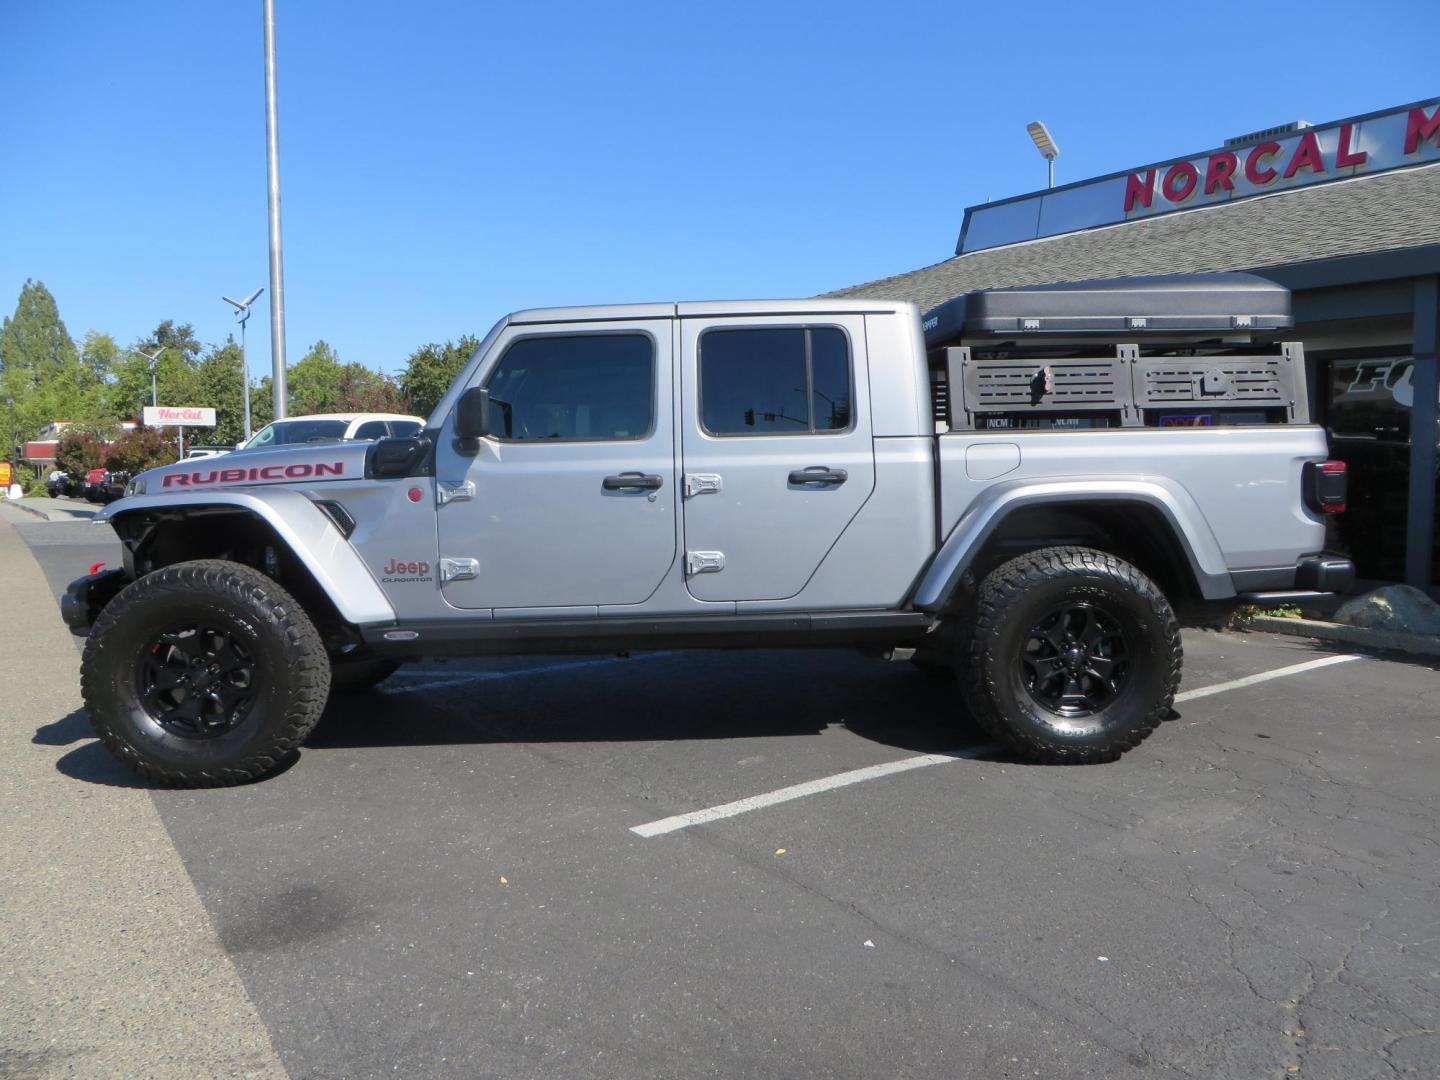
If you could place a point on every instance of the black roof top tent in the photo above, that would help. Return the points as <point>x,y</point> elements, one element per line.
<point>1191,306</point>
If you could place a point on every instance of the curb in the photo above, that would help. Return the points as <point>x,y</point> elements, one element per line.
<point>19,505</point>
<point>1389,640</point>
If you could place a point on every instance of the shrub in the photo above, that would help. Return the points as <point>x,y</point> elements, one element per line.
<point>141,449</point>
<point>79,451</point>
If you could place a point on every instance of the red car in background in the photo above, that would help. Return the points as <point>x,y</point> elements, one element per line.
<point>93,486</point>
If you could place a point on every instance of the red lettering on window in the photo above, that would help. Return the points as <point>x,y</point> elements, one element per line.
<point>1253,160</point>
<point>1420,128</point>
<point>1180,181</point>
<point>1218,171</point>
<point>1344,156</point>
<point>1307,156</point>
<point>1140,188</point>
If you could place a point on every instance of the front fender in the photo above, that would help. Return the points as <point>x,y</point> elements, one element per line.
<point>302,526</point>
<point>990,509</point>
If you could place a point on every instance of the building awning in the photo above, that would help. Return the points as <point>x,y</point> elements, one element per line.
<point>41,450</point>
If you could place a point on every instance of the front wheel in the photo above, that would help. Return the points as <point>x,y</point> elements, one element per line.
<point>1074,657</point>
<point>203,674</point>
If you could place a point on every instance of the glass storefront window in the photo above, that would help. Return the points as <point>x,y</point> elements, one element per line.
<point>1367,414</point>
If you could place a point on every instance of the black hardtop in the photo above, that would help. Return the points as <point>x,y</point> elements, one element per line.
<point>1135,308</point>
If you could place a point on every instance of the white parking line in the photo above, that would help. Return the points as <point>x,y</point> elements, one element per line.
<point>440,680</point>
<point>1264,676</point>
<point>921,761</point>
<point>799,791</point>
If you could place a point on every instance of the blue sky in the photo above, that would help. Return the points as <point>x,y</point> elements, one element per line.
<point>445,162</point>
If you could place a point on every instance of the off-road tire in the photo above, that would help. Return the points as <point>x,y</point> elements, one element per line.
<point>1017,595</point>
<point>356,675</point>
<point>294,673</point>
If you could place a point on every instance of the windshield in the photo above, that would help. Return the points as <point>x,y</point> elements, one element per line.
<point>290,432</point>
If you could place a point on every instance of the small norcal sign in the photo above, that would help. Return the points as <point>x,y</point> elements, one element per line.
<point>178,416</point>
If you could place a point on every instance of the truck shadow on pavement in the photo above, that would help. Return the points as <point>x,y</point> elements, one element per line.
<point>762,696</point>
<point>759,695</point>
<point>92,763</point>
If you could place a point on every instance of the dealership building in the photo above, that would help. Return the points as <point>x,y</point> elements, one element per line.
<point>1345,214</point>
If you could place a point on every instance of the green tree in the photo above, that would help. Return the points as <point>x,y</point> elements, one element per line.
<point>431,369</point>
<point>177,337</point>
<point>220,387</point>
<point>77,391</point>
<point>99,354</point>
<point>313,383</point>
<point>176,371</point>
<point>35,349</point>
<point>363,390</point>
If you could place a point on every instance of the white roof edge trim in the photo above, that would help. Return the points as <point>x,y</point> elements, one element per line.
<point>712,308</point>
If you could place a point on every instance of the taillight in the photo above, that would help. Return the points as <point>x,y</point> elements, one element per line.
<point>1325,486</point>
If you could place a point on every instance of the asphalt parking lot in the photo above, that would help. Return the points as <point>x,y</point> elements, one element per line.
<point>808,864</point>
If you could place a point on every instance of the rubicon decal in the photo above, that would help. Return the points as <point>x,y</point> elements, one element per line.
<point>301,470</point>
<point>400,572</point>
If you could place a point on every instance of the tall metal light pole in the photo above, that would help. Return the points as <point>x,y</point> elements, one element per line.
<point>242,316</point>
<point>277,274</point>
<point>1046,145</point>
<point>151,362</point>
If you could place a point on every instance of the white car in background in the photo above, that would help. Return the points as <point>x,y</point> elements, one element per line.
<point>333,427</point>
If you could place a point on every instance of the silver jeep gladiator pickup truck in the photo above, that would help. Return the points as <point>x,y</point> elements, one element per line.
<point>1029,487</point>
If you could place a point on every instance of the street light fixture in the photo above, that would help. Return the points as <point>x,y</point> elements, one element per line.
<point>242,315</point>
<point>1046,145</point>
<point>151,362</point>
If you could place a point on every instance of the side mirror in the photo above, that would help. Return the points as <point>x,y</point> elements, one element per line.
<point>472,414</point>
<point>405,455</point>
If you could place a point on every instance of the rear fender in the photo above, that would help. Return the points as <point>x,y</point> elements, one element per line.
<point>312,538</point>
<point>941,581</point>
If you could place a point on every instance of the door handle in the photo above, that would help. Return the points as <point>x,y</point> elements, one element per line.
<point>633,481</point>
<point>818,474</point>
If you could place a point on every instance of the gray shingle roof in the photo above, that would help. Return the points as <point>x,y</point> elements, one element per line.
<point>1356,217</point>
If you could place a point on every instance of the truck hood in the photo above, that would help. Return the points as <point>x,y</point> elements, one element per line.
<point>304,464</point>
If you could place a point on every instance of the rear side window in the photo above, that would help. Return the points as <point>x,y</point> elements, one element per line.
<point>371,429</point>
<point>403,429</point>
<point>575,387</point>
<point>777,381</point>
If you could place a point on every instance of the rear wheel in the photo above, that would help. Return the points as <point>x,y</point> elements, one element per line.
<point>204,673</point>
<point>1074,655</point>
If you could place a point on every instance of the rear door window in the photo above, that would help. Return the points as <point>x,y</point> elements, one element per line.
<point>775,381</point>
<point>371,429</point>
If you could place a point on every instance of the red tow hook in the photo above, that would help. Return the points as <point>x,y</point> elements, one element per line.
<point>96,568</point>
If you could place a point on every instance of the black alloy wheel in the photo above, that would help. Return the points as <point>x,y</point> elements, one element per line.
<point>1071,656</point>
<point>204,673</point>
<point>197,681</point>
<point>1075,660</point>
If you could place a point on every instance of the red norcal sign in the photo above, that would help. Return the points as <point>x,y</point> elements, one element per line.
<point>301,470</point>
<point>1261,164</point>
<point>1311,156</point>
